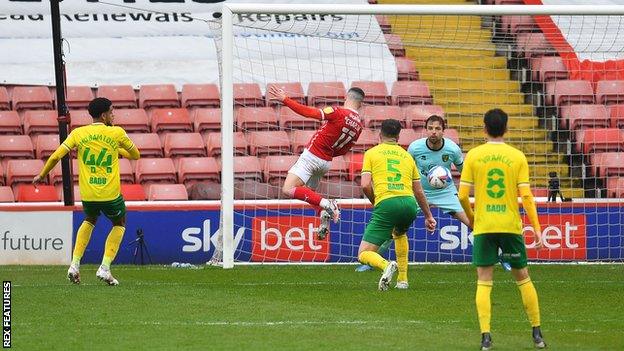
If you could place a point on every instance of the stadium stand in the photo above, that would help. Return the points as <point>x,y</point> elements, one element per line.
<point>171,120</point>
<point>299,140</point>
<point>410,92</point>
<point>610,92</point>
<point>406,69</point>
<point>607,164</point>
<point>616,114</point>
<point>16,146</point>
<point>78,97</point>
<point>149,144</point>
<point>206,119</point>
<point>213,144</point>
<point>133,192</point>
<point>56,176</point>
<point>184,144</point>
<point>340,189</point>
<point>289,119</point>
<point>254,190</point>
<point>566,92</point>
<point>167,192</point>
<point>45,145</point>
<point>195,169</point>
<point>368,138</point>
<point>376,92</point>
<point>247,168</point>
<point>40,122</point>
<point>79,118</point>
<point>373,116</point>
<point>200,95</point>
<point>325,93</point>
<point>599,140</point>
<point>122,96</point>
<point>133,120</point>
<point>5,103</point>
<point>416,115</point>
<point>354,161</point>
<point>6,194</point>
<point>155,170</point>
<point>293,90</point>
<point>276,168</point>
<point>248,94</point>
<point>10,123</point>
<point>395,44</point>
<point>22,171</point>
<point>583,116</point>
<point>42,193</point>
<point>264,143</point>
<point>548,68</point>
<point>34,98</point>
<point>158,95</point>
<point>256,118</point>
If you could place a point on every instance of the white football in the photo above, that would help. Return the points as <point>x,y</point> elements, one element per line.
<point>439,177</point>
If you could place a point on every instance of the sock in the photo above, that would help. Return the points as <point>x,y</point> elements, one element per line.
<point>308,195</point>
<point>112,245</point>
<point>484,305</point>
<point>82,240</point>
<point>401,247</point>
<point>373,259</point>
<point>529,299</point>
<point>384,247</point>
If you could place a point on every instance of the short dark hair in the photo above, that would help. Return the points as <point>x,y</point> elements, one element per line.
<point>436,118</point>
<point>98,106</point>
<point>495,121</point>
<point>358,92</point>
<point>391,128</point>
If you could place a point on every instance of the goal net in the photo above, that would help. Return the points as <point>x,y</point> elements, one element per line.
<point>412,64</point>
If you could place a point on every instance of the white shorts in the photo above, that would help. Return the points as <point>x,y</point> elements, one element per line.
<point>310,169</point>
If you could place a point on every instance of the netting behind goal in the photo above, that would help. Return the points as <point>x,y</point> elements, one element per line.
<point>410,67</point>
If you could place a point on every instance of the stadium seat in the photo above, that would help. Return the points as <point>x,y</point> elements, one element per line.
<point>276,168</point>
<point>253,190</point>
<point>355,166</point>
<point>408,135</point>
<point>615,187</point>
<point>167,192</point>
<point>5,103</point>
<point>2,173</point>
<point>382,20</point>
<point>6,194</point>
<point>78,97</point>
<point>340,189</point>
<point>148,144</point>
<point>198,169</point>
<point>46,144</point>
<point>133,192</point>
<point>247,167</point>
<point>132,120</point>
<point>548,68</point>
<point>56,175</point>
<point>122,96</point>
<point>567,92</point>
<point>610,92</point>
<point>520,24</point>
<point>263,143</point>
<point>80,118</point>
<point>206,119</point>
<point>607,164</point>
<point>395,44</point>
<point>16,146</point>
<point>200,95</point>
<point>339,169</point>
<point>416,115</point>
<point>184,144</point>
<point>213,144</point>
<point>40,122</point>
<point>158,95</point>
<point>406,69</point>
<point>248,94</point>
<point>368,138</point>
<point>584,116</point>
<point>289,119</point>
<point>325,93</point>
<point>10,123</point>
<point>33,98</point>
<point>376,93</point>
<point>452,134</point>
<point>204,191</point>
<point>293,90</point>
<point>43,193</point>
<point>171,120</point>
<point>256,118</point>
<point>300,139</point>
<point>126,173</point>
<point>616,113</point>
<point>410,92</point>
<point>599,140</point>
<point>373,116</point>
<point>155,170</point>
<point>22,171</point>
<point>533,45</point>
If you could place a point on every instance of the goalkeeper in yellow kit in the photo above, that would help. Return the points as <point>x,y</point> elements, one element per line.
<point>99,146</point>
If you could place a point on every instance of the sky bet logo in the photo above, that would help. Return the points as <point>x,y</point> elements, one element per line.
<point>200,239</point>
<point>287,239</point>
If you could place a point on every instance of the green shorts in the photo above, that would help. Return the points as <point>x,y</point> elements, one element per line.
<point>395,214</point>
<point>113,209</point>
<point>485,249</point>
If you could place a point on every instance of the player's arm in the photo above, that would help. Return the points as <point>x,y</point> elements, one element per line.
<point>56,156</point>
<point>464,200</point>
<point>430,222</point>
<point>366,183</point>
<point>127,148</point>
<point>458,160</point>
<point>528,202</point>
<point>303,110</point>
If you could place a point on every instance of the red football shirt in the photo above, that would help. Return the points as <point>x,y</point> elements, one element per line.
<point>340,131</point>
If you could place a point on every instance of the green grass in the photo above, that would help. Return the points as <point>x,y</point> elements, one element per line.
<point>308,308</point>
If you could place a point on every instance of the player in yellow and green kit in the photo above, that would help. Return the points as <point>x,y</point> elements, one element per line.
<point>99,146</point>
<point>499,173</point>
<point>390,180</point>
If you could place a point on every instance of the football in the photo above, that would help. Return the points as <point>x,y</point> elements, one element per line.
<point>439,177</point>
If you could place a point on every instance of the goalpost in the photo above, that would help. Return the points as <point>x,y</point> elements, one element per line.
<point>463,59</point>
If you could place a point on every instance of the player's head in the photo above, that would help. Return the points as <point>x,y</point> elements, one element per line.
<point>390,129</point>
<point>101,109</point>
<point>495,121</point>
<point>355,96</point>
<point>435,126</point>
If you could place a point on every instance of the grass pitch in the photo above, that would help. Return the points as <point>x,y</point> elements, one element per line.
<point>307,308</point>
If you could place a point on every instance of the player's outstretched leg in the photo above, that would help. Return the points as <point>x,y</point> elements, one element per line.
<point>82,240</point>
<point>323,229</point>
<point>382,251</point>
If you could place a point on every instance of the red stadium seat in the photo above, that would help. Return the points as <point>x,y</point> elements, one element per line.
<point>207,119</point>
<point>293,90</point>
<point>158,95</point>
<point>567,92</point>
<point>340,189</point>
<point>256,118</point>
<point>410,92</point>
<point>276,168</point>
<point>382,20</point>
<point>2,174</point>
<point>133,192</point>
<point>376,93</point>
<point>533,45</point>
<point>46,144</point>
<point>339,169</point>
<point>213,144</point>
<point>132,120</point>
<point>373,116</point>
<point>204,191</point>
<point>416,115</point>
<point>548,68</point>
<point>599,140</point>
<point>289,119</point>
<point>16,146</point>
<point>368,138</point>
<point>200,95</point>
<point>408,135</point>
<point>78,96</point>
<point>248,94</point>
<point>616,112</point>
<point>5,103</point>
<point>325,93</point>
<point>43,193</point>
<point>615,187</point>
<point>584,116</point>
<point>148,144</point>
<point>253,190</point>
<point>263,143</point>
<point>80,118</point>
<point>355,165</point>
<point>521,24</point>
<point>406,69</point>
<point>122,96</point>
<point>10,123</point>
<point>184,144</point>
<point>40,122</point>
<point>610,92</point>
<point>6,194</point>
<point>155,170</point>
<point>171,120</point>
<point>247,167</point>
<point>38,98</point>
<point>607,164</point>
<point>452,134</point>
<point>395,44</point>
<point>167,192</point>
<point>56,175</point>
<point>126,173</point>
<point>300,139</point>
<point>22,171</point>
<point>198,169</point>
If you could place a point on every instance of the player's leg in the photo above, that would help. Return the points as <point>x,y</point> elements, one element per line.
<point>383,249</point>
<point>404,211</point>
<point>83,235</point>
<point>115,211</point>
<point>484,256</point>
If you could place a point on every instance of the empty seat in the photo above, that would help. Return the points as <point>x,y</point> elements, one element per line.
<point>339,169</point>
<point>40,121</point>
<point>56,174</point>
<point>10,123</point>
<point>519,24</point>
<point>410,92</point>
<point>248,94</point>
<point>42,193</point>
<point>584,116</point>
<point>198,169</point>
<point>126,173</point>
<point>395,44</point>
<point>22,171</point>
<point>276,168</point>
<point>205,191</point>
<point>2,174</point>
<point>376,93</point>
<point>452,134</point>
<point>416,115</point>
<point>80,118</point>
<point>148,144</point>
<point>368,138</point>
<point>599,140</point>
<point>325,93</point>
<point>184,144</point>
<point>132,120</point>
<point>254,190</point>
<point>533,45</point>
<point>213,144</point>
<point>406,69</point>
<point>615,187</point>
<point>340,189</point>
<point>206,119</point>
<point>289,119</point>
<point>122,96</point>
<point>607,164</point>
<point>548,68</point>
<point>610,92</point>
<point>247,167</point>
<point>155,170</point>
<point>373,116</point>
<point>133,192</point>
<point>616,113</point>
<point>6,194</point>
<point>167,192</point>
<point>78,96</point>
<point>293,90</point>
<point>171,120</point>
<point>408,135</point>
<point>5,103</point>
<point>158,95</point>
<point>382,20</point>
<point>200,95</point>
<point>354,162</point>
<point>46,145</point>
<point>32,98</point>
<point>300,139</point>
<point>566,92</point>
<point>256,118</point>
<point>263,143</point>
<point>16,146</point>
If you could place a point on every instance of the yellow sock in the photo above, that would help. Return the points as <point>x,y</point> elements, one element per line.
<point>529,299</point>
<point>112,245</point>
<point>373,259</point>
<point>484,305</point>
<point>401,247</point>
<point>82,240</point>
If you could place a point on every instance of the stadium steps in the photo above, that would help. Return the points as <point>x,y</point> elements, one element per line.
<point>491,62</point>
<point>476,121</point>
<point>479,109</point>
<point>450,72</point>
<point>475,98</point>
<point>441,86</point>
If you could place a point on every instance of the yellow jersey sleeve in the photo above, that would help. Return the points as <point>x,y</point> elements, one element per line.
<point>523,172</point>
<point>367,166</point>
<point>466,174</point>
<point>70,141</point>
<point>123,140</point>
